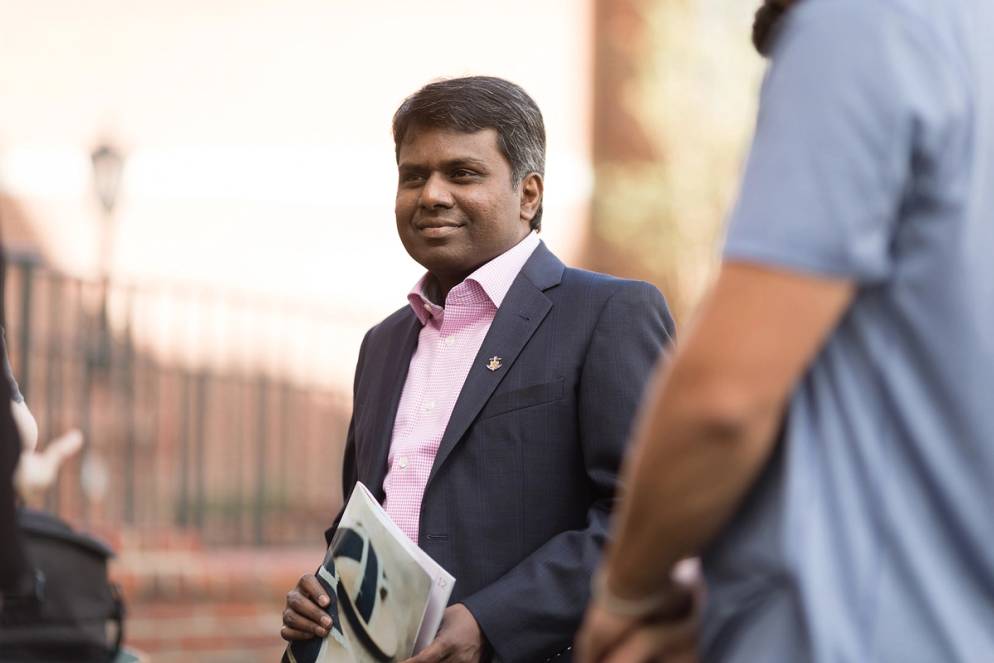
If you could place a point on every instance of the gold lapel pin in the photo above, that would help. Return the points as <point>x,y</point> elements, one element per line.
<point>494,363</point>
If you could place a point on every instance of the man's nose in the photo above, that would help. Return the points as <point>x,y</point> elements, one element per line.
<point>435,192</point>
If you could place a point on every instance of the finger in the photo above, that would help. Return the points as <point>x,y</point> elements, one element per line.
<point>61,448</point>
<point>600,633</point>
<point>306,610</point>
<point>298,622</point>
<point>678,636</point>
<point>436,652</point>
<point>638,647</point>
<point>291,634</point>
<point>312,589</point>
<point>590,645</point>
<point>669,642</point>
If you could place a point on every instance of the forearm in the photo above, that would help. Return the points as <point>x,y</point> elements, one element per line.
<point>690,466</point>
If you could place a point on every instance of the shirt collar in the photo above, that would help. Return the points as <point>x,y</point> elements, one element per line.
<point>494,277</point>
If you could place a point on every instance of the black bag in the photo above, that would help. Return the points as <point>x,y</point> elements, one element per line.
<point>68,615</point>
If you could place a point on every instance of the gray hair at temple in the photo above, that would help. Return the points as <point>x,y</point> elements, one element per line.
<point>474,103</point>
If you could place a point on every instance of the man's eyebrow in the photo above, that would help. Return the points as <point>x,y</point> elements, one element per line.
<point>460,162</point>
<point>465,161</point>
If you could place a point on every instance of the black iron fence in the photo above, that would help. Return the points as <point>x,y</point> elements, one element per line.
<point>196,426</point>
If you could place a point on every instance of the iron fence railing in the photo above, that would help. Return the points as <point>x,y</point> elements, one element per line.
<point>194,426</point>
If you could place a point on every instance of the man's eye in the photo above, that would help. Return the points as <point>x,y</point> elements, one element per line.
<point>411,178</point>
<point>462,174</point>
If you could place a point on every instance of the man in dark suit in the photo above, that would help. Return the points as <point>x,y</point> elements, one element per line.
<point>490,414</point>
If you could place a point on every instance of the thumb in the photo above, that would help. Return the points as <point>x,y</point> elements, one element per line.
<point>433,653</point>
<point>62,448</point>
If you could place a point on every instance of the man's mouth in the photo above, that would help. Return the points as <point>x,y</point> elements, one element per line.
<point>435,228</point>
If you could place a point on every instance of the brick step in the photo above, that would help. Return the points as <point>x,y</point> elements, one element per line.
<point>209,606</point>
<point>225,575</point>
<point>205,628</point>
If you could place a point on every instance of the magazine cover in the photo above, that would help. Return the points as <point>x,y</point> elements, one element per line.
<point>387,594</point>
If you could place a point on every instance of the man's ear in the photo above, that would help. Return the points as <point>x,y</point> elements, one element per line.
<point>532,188</point>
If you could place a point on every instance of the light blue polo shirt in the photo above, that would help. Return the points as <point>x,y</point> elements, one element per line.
<point>869,538</point>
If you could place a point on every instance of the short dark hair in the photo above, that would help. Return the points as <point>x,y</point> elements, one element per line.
<point>769,16</point>
<point>473,103</point>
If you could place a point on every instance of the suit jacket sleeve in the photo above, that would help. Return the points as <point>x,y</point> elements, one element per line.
<point>532,613</point>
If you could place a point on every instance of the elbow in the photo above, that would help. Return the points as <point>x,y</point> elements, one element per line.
<point>726,413</point>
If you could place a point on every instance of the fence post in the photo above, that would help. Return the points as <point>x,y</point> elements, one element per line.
<point>130,442</point>
<point>54,387</point>
<point>200,451</point>
<point>260,474</point>
<point>183,509</point>
<point>27,288</point>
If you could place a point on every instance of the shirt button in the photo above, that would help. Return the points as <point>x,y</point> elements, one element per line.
<point>449,341</point>
<point>402,461</point>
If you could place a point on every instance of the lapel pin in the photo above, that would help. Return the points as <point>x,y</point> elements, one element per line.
<point>494,364</point>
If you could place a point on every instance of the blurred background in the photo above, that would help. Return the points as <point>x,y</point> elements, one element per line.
<point>196,201</point>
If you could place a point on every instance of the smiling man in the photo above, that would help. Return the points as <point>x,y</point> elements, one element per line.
<point>491,412</point>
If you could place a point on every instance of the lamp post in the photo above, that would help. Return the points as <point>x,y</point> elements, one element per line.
<point>108,166</point>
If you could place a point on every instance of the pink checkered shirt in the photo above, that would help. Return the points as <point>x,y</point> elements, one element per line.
<point>447,345</point>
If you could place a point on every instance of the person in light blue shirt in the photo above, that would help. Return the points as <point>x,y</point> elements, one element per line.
<point>825,437</point>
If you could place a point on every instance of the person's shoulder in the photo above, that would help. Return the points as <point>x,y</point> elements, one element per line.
<point>883,17</point>
<point>851,7</point>
<point>608,283</point>
<point>595,286</point>
<point>385,330</point>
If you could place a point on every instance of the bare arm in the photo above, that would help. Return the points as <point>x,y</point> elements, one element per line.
<point>707,427</point>
<point>709,424</point>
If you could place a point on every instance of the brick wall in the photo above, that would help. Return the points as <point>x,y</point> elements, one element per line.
<point>209,606</point>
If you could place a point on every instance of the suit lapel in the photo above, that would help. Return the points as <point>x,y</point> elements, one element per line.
<point>393,375</point>
<point>523,310</point>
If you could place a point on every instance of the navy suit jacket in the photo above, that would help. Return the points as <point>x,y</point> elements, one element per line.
<point>518,500</point>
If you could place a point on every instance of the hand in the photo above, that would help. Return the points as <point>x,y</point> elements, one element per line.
<point>670,636</point>
<point>459,639</point>
<point>37,470</point>
<point>304,616</point>
<point>606,638</point>
<point>601,632</point>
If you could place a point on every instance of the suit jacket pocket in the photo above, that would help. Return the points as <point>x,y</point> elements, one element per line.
<point>518,399</point>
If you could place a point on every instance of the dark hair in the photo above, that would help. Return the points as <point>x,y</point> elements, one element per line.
<point>768,19</point>
<point>474,103</point>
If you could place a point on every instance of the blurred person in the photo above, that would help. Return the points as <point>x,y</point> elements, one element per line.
<point>491,412</point>
<point>15,575</point>
<point>825,435</point>
<point>26,470</point>
<point>36,469</point>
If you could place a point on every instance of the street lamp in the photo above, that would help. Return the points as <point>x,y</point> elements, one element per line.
<point>108,166</point>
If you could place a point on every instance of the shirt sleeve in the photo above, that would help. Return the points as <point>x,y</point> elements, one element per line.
<point>832,154</point>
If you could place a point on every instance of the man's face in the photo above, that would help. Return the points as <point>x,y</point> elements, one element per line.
<point>456,207</point>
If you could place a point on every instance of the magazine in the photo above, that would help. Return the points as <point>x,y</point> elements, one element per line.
<point>387,595</point>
